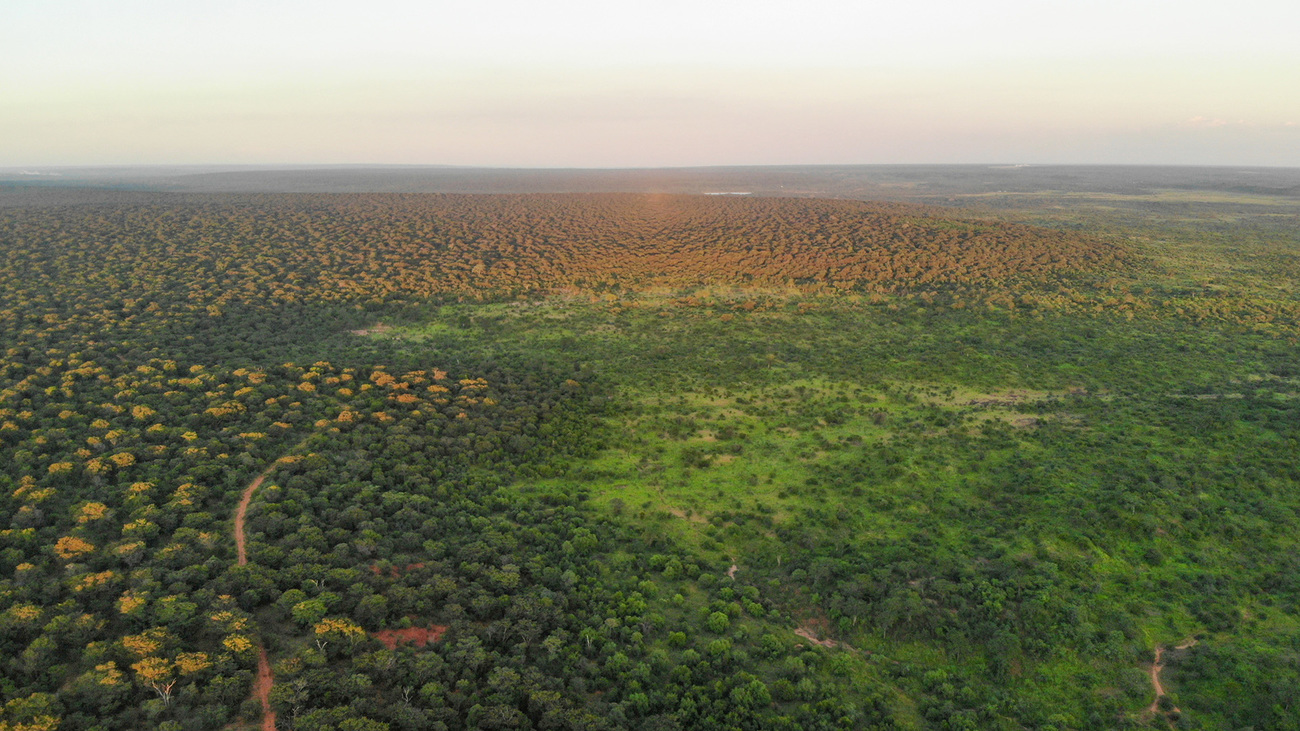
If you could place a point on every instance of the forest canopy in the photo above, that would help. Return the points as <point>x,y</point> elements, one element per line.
<point>631,461</point>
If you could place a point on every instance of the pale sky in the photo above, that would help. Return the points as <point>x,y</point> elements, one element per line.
<point>573,83</point>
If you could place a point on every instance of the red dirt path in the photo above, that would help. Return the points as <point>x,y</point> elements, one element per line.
<point>1156,667</point>
<point>240,512</point>
<point>262,689</point>
<point>261,686</point>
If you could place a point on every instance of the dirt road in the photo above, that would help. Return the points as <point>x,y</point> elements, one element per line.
<point>262,685</point>
<point>242,511</point>
<point>1156,667</point>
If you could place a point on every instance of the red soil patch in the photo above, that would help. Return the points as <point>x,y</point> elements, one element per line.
<point>419,636</point>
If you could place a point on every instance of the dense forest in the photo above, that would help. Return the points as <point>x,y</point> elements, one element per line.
<point>366,462</point>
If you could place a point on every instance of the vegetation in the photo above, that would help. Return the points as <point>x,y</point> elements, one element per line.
<point>644,462</point>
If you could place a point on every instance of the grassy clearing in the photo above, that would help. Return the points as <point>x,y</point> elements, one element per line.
<point>692,461</point>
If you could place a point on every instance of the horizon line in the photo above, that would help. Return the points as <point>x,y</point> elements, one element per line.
<point>33,169</point>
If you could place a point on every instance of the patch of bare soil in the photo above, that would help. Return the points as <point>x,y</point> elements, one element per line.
<point>679,513</point>
<point>377,329</point>
<point>815,627</point>
<point>808,634</point>
<point>418,636</point>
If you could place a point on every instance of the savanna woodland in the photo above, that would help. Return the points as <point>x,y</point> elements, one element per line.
<point>628,461</point>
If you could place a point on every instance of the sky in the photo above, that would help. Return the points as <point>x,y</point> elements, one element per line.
<point>577,83</point>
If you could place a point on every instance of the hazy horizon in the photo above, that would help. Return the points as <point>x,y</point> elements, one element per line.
<point>585,85</point>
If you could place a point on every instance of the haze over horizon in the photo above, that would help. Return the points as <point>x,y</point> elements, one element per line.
<point>584,84</point>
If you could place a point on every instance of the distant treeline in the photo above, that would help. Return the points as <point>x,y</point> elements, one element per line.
<point>367,247</point>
